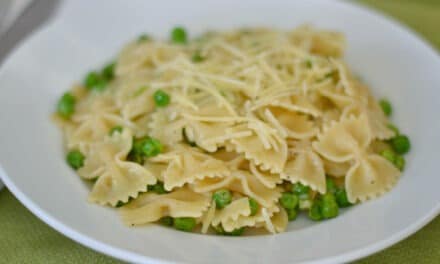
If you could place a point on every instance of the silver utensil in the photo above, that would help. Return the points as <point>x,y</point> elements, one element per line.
<point>10,11</point>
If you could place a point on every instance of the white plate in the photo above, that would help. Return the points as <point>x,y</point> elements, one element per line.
<point>85,34</point>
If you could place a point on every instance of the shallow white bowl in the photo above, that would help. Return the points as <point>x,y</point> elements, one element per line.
<point>85,34</point>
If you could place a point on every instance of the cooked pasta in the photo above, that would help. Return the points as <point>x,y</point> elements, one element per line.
<point>230,131</point>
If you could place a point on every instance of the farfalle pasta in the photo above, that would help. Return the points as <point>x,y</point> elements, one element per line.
<point>231,132</point>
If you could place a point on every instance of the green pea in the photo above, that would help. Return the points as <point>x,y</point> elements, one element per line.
<point>301,190</point>
<point>152,147</point>
<point>178,35</point>
<point>75,159</point>
<point>331,186</point>
<point>186,224</point>
<point>66,105</point>
<point>166,220</point>
<point>143,38</point>
<point>157,188</point>
<point>389,155</point>
<point>116,129</point>
<point>399,162</point>
<point>108,72</point>
<point>138,144</point>
<point>341,198</point>
<point>161,98</point>
<point>309,64</point>
<point>386,107</point>
<point>222,198</point>
<point>197,57</point>
<point>394,128</point>
<point>100,85</point>
<point>329,206</point>
<point>92,79</point>
<point>254,206</point>
<point>315,211</point>
<point>401,144</point>
<point>292,214</point>
<point>136,153</point>
<point>289,200</point>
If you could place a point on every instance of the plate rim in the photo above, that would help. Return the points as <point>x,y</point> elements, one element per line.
<point>126,255</point>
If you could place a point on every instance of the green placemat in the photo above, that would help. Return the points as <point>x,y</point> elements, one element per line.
<point>25,239</point>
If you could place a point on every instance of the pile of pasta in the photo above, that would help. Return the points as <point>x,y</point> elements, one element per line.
<point>261,109</point>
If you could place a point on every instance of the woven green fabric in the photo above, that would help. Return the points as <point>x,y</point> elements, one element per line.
<point>25,239</point>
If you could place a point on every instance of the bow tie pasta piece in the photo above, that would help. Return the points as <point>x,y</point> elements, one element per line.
<point>357,100</point>
<point>166,126</point>
<point>134,96</point>
<point>145,55</point>
<point>207,135</point>
<point>237,216</point>
<point>351,85</point>
<point>288,100</point>
<point>101,153</point>
<point>172,154</point>
<point>233,160</point>
<point>118,179</point>
<point>377,121</point>
<point>242,182</point>
<point>157,169</point>
<point>120,182</point>
<point>290,123</point>
<point>341,101</point>
<point>93,121</point>
<point>226,156</point>
<point>265,146</point>
<point>231,212</point>
<point>277,223</point>
<point>323,43</point>
<point>207,126</point>
<point>336,169</point>
<point>306,167</point>
<point>94,103</point>
<point>208,217</point>
<point>268,179</point>
<point>343,140</point>
<point>370,177</point>
<point>298,103</point>
<point>151,207</point>
<point>190,166</point>
<point>210,110</point>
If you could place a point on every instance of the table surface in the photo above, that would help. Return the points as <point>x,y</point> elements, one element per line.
<point>26,239</point>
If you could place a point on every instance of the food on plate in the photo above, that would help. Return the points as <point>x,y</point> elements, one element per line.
<point>230,131</point>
